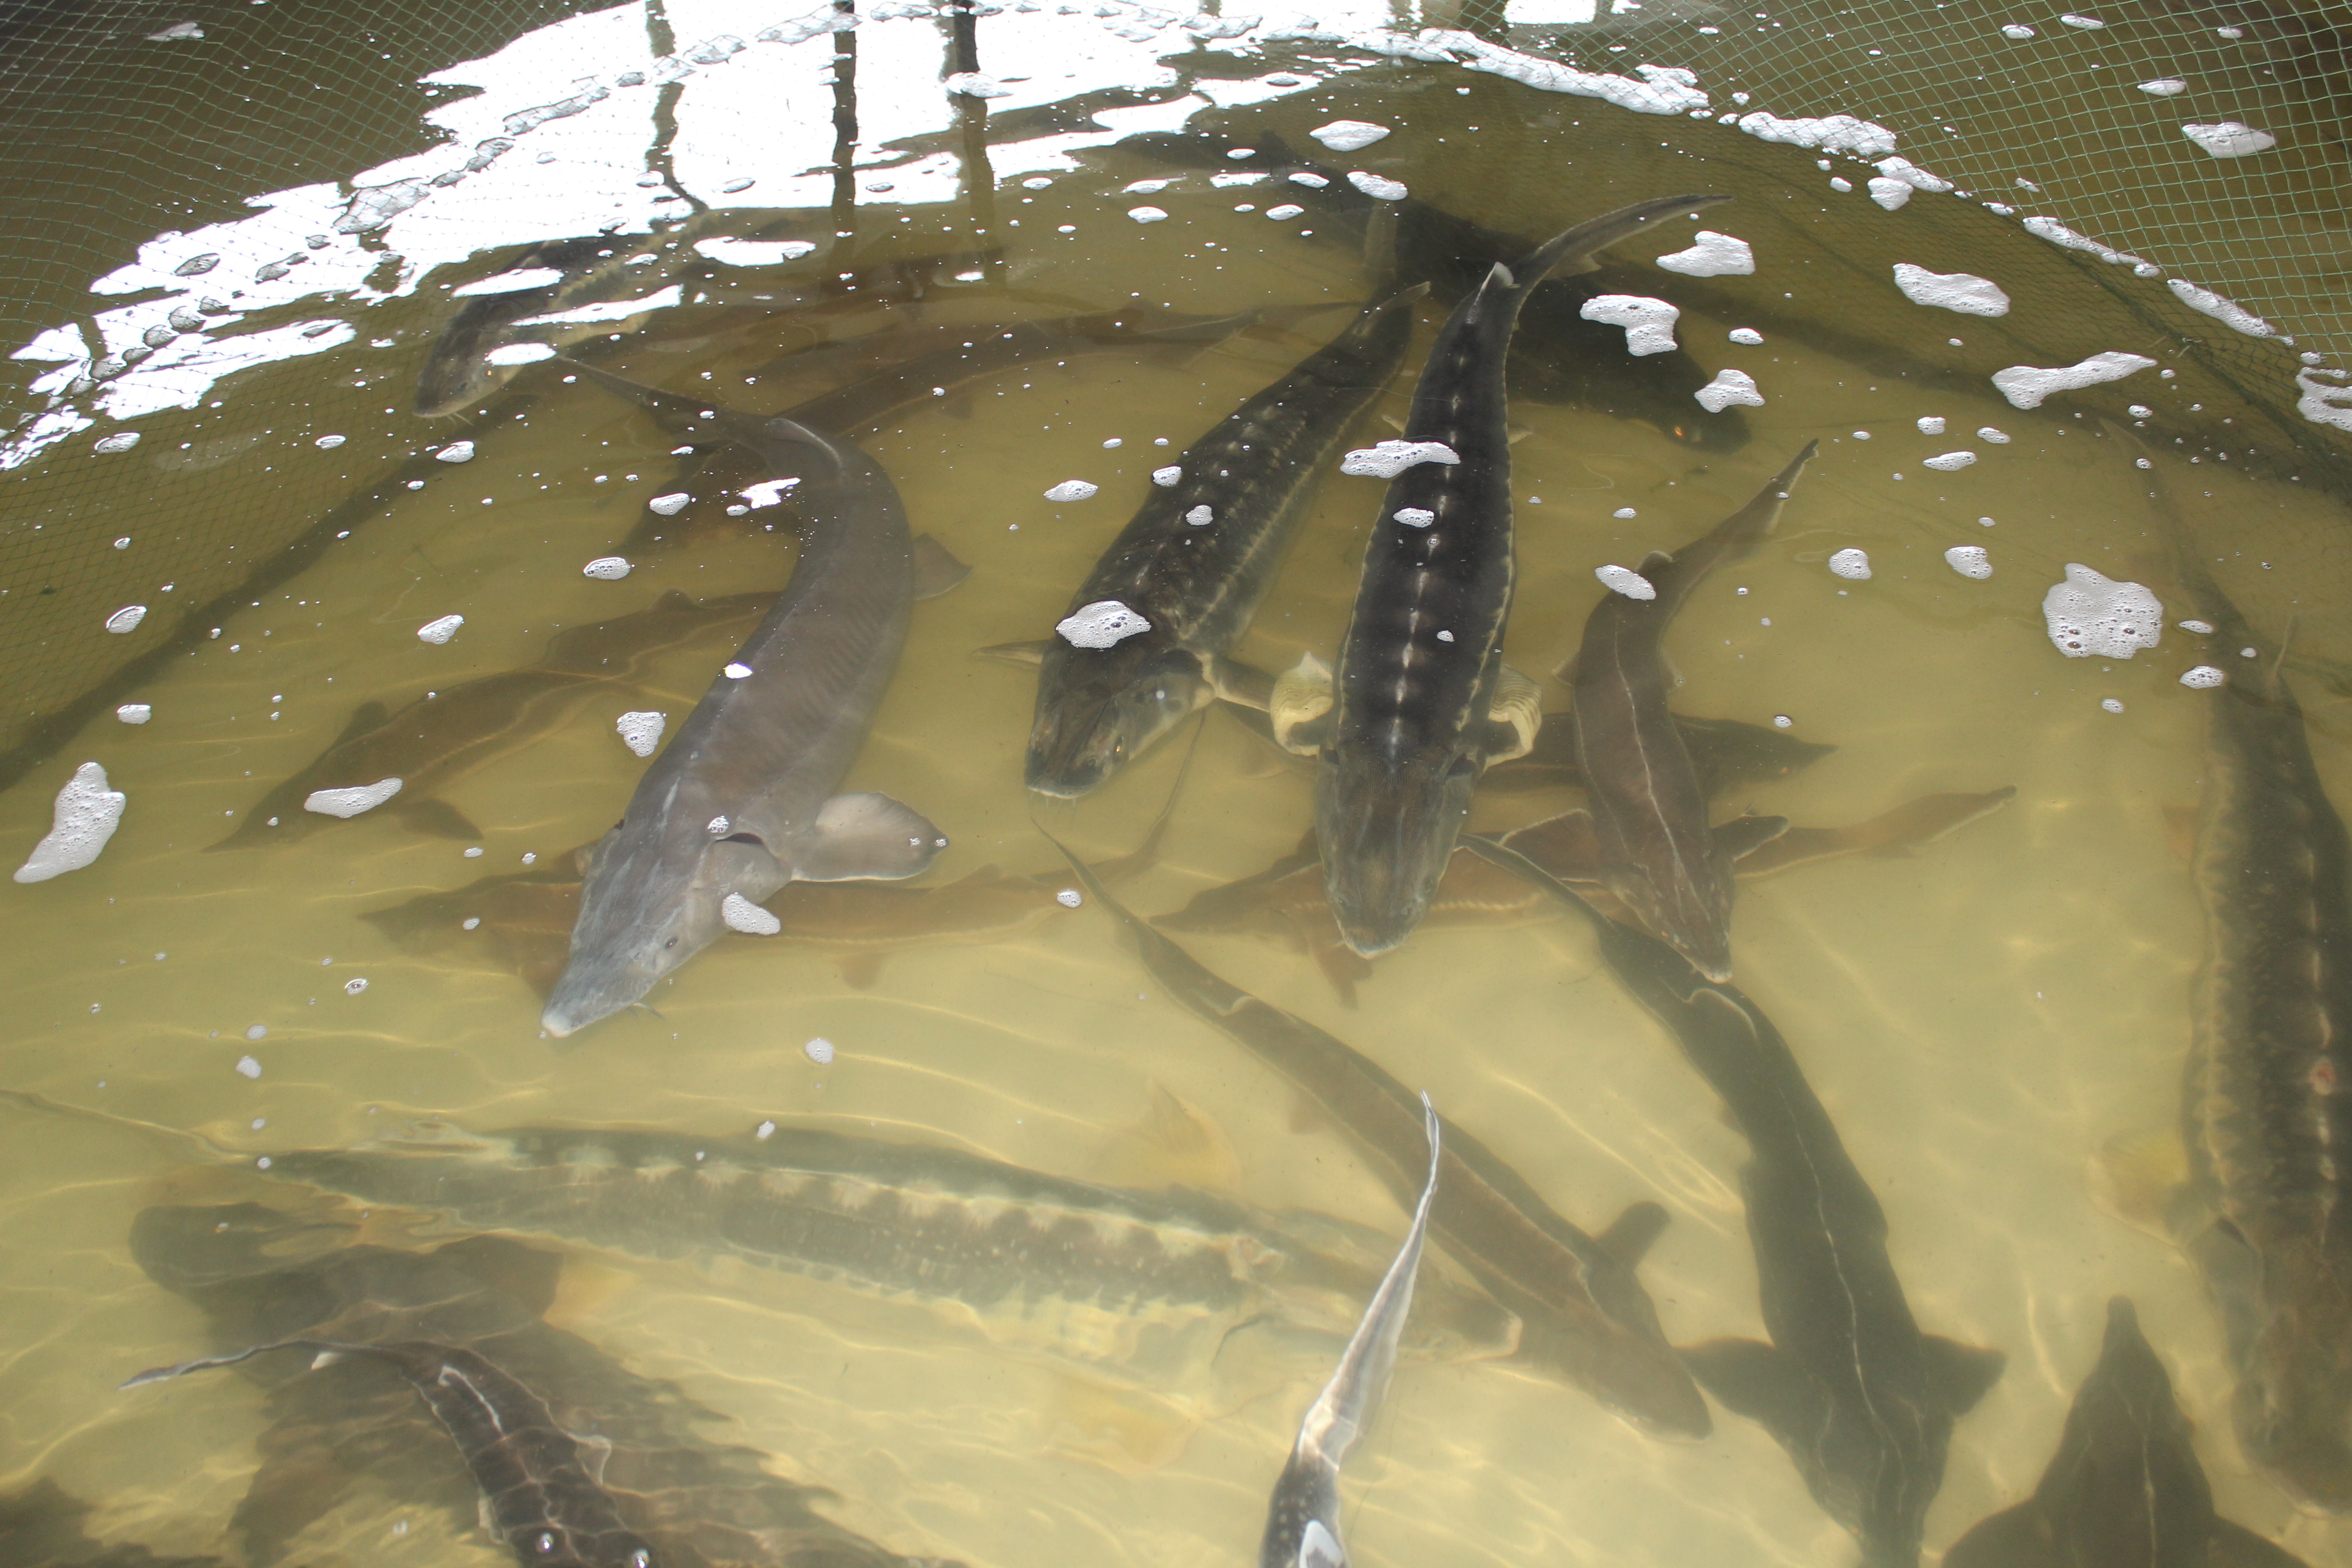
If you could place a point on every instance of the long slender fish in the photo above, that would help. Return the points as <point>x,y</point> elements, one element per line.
<point>1583,1314</point>
<point>1302,1519</point>
<point>2266,1099</point>
<point>534,1478</point>
<point>1197,559</point>
<point>1420,676</point>
<point>2125,1489</point>
<point>1663,862</point>
<point>740,801</point>
<point>1861,1400</point>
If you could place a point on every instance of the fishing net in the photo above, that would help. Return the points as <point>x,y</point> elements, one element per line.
<point>2172,174</point>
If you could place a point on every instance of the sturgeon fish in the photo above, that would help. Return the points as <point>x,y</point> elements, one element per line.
<point>1662,860</point>
<point>2125,1489</point>
<point>1302,1520</point>
<point>1415,699</point>
<point>1861,1400</point>
<point>1197,559</point>
<point>1583,1313</point>
<point>534,1476</point>
<point>740,801</point>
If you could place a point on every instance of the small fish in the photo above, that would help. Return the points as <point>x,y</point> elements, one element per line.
<point>1302,1520</point>
<point>1583,1314</point>
<point>1861,1400</point>
<point>1196,561</point>
<point>432,743</point>
<point>741,802</point>
<point>1557,356</point>
<point>1420,704</point>
<point>1727,752</point>
<point>534,1478</point>
<point>1661,858</point>
<point>2125,1489</point>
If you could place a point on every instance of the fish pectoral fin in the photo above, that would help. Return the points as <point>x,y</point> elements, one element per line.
<point>1299,705</point>
<point>585,856</point>
<point>935,568</point>
<point>1567,846</point>
<point>1762,1382</point>
<point>1746,835</point>
<point>1319,1548</point>
<point>861,969</point>
<point>1242,685</point>
<point>2138,1177</point>
<point>438,817</point>
<point>2018,1537</point>
<point>1031,654</point>
<point>1513,717</point>
<point>1173,1145</point>
<point>2235,1546</point>
<point>1961,1374</point>
<point>1630,1236</point>
<point>1344,967</point>
<point>866,837</point>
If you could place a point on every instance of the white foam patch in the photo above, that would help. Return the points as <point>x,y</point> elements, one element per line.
<point>1931,424</point>
<point>736,670</point>
<point>134,712</point>
<point>1166,478</point>
<point>1626,580</point>
<point>1948,461</point>
<point>1746,336</point>
<point>2323,402</point>
<point>1649,323</point>
<point>669,505</point>
<point>1711,254</point>
<point>1102,623</point>
<point>2056,233</point>
<point>329,443</point>
<point>2091,615</point>
<point>1311,180</point>
<point>2229,139</point>
<point>249,1068</point>
<point>819,1051</point>
<point>1851,564</point>
<point>1729,386</point>
<point>1387,459</point>
<point>606,569</point>
<point>510,282</point>
<point>1201,516</point>
<point>2202,678</point>
<point>1415,516</point>
<point>1913,175</point>
<point>456,452</point>
<point>2016,32</point>
<point>1376,187</point>
<point>1350,135</point>
<point>1889,194</point>
<point>2227,311</point>
<point>109,445</point>
<point>2202,629</point>
<point>641,732</point>
<point>1962,291</point>
<point>1998,437</point>
<point>85,817</point>
<point>1069,898</point>
<point>440,631</point>
<point>353,800</point>
<point>2026,385</point>
<point>518,353</point>
<point>1146,214</point>
<point>975,84</point>
<point>1153,187</point>
<point>126,619</point>
<point>741,914</point>
<point>1832,133</point>
<point>1072,489</point>
<point>609,309</point>
<point>2088,23</point>
<point>1969,561</point>
<point>2165,87</point>
<point>767,492</point>
<point>754,252</point>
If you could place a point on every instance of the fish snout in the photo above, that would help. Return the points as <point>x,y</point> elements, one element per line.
<point>1092,723</point>
<point>1386,835</point>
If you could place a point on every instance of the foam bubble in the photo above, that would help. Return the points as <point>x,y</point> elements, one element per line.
<point>2112,705</point>
<point>2017,32</point>
<point>1350,135</point>
<point>1969,561</point>
<point>1649,323</point>
<point>606,569</point>
<point>765,1130</point>
<point>1201,516</point>
<point>248,1067</point>
<point>819,1051</point>
<point>767,492</point>
<point>2092,616</point>
<point>2072,20</point>
<point>736,670</point>
<point>1311,180</point>
<point>134,712</point>
<point>2164,87</point>
<point>329,443</point>
<point>1146,214</point>
<point>741,914</point>
<point>669,505</point>
<point>1931,424</point>
<point>109,445</point>
<point>2026,385</point>
<point>514,354</point>
<point>1072,489</point>
<point>2221,308</point>
<point>456,452</point>
<point>440,631</point>
<point>508,282</point>
<point>1284,213</point>
<point>1166,478</point>
<point>353,987</point>
<point>1729,386</point>
<point>2202,629</point>
<point>1889,194</point>
<point>86,815</point>
<point>2202,678</point>
<point>1948,461</point>
<point>1626,580</point>
<point>1747,336</point>
<point>1852,564</point>
<point>1069,898</point>
<point>1712,255</point>
<point>1102,623</point>
<point>1415,516</point>
<point>1374,187</point>
<point>1987,433</point>
<point>2229,139</point>
<point>126,618</point>
<point>1624,511</point>
<point>1387,459</point>
<point>642,732</point>
<point>352,800</point>
<point>1964,292</point>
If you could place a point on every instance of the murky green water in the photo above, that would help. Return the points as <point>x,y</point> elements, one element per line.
<point>1980,1017</point>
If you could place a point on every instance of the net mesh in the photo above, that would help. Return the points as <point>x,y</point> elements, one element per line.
<point>113,130</point>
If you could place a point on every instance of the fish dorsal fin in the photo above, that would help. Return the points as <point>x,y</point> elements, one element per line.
<point>1319,1548</point>
<point>438,817</point>
<point>673,600</point>
<point>1745,834</point>
<point>1960,1373</point>
<point>1634,1232</point>
<point>1300,699</point>
<point>866,837</point>
<point>936,569</point>
<point>367,716</point>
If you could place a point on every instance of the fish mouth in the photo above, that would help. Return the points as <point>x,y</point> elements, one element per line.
<point>1080,739</point>
<point>1386,835</point>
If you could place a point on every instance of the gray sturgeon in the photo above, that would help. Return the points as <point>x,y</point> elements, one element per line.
<point>740,801</point>
<point>1659,856</point>
<point>1197,559</point>
<point>1302,1519</point>
<point>1420,675</point>
<point>2125,1489</point>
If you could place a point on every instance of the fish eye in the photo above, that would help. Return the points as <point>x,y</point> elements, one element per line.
<point>641,1558</point>
<point>670,943</point>
<point>545,1542</point>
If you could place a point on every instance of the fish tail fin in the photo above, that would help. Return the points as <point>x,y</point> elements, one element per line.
<point>205,1363</point>
<point>1574,248</point>
<point>179,1140</point>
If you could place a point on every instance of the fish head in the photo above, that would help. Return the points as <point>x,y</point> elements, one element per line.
<point>1100,709</point>
<point>2293,1402</point>
<point>1387,828</point>
<point>449,382</point>
<point>651,901</point>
